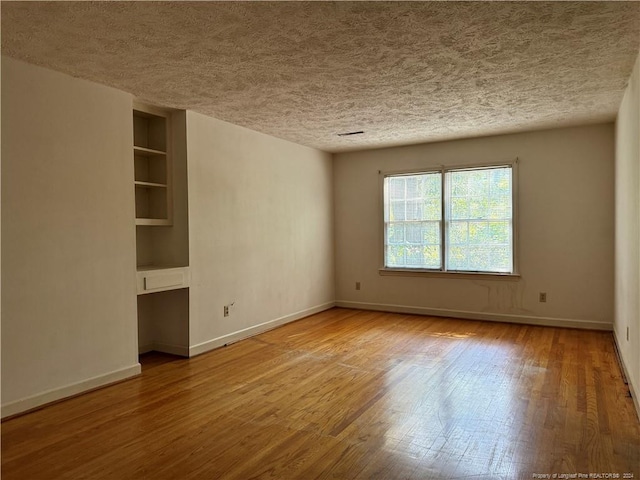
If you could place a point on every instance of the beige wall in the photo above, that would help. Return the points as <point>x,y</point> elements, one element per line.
<point>627,261</point>
<point>565,228</point>
<point>68,249</point>
<point>260,231</point>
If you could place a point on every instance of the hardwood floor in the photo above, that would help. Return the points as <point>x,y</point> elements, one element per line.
<point>348,394</point>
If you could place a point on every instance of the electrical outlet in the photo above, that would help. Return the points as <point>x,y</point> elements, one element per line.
<point>226,310</point>
<point>357,285</point>
<point>543,297</point>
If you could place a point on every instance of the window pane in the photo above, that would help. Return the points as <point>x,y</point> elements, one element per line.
<point>478,258</point>
<point>396,188</point>
<point>458,233</point>
<point>413,186</point>
<point>479,220</point>
<point>478,207</point>
<point>414,210</point>
<point>431,232</point>
<point>501,258</point>
<point>414,233</point>
<point>395,233</point>
<point>395,256</point>
<point>499,233</point>
<point>398,211</point>
<point>457,258</point>
<point>459,207</point>
<point>413,218</point>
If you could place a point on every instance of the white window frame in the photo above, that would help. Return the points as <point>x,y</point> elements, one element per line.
<point>443,169</point>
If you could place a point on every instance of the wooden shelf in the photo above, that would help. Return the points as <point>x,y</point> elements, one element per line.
<point>152,167</point>
<point>153,222</point>
<point>154,267</point>
<point>150,184</point>
<point>145,152</point>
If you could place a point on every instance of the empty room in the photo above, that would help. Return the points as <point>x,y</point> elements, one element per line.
<point>297,240</point>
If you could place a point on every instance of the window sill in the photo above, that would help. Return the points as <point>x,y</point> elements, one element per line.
<point>404,272</point>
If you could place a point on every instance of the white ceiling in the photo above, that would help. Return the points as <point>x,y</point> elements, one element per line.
<point>403,72</point>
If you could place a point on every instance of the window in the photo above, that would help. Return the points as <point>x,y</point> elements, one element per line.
<point>451,219</point>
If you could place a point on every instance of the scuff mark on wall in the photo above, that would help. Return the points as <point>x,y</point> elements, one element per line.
<point>504,297</point>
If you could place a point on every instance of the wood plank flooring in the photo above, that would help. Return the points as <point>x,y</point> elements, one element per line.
<point>347,394</point>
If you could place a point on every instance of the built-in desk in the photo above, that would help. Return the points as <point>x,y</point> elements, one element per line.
<point>152,278</point>
<point>163,309</point>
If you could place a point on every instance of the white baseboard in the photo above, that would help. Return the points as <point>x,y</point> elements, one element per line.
<point>494,317</point>
<point>634,392</point>
<point>49,396</point>
<point>256,329</point>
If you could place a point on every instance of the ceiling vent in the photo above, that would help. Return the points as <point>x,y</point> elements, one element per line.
<point>347,134</point>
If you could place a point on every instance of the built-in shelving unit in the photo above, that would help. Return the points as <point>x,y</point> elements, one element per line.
<point>162,243</point>
<point>152,166</point>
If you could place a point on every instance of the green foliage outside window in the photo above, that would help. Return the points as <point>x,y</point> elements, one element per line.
<point>477,218</point>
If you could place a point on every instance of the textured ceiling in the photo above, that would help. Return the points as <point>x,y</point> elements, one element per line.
<point>404,72</point>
